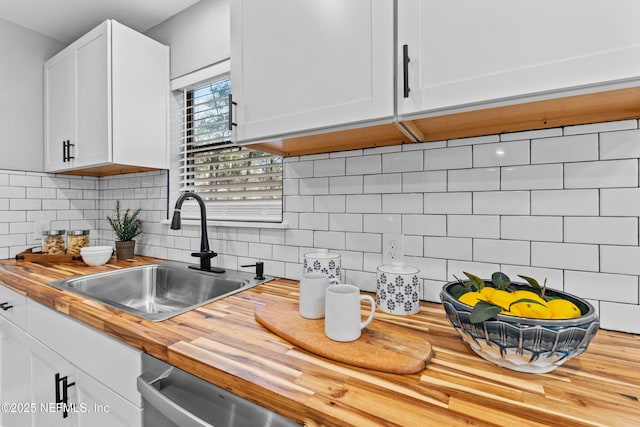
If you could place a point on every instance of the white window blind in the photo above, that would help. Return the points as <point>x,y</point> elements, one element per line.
<point>237,183</point>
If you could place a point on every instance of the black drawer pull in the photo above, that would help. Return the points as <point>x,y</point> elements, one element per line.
<point>6,306</point>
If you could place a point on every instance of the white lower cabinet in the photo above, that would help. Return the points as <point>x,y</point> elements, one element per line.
<point>56,371</point>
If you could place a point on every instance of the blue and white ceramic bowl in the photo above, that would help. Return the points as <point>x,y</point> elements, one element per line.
<point>524,344</point>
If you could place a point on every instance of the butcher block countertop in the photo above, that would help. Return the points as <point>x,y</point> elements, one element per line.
<point>223,343</point>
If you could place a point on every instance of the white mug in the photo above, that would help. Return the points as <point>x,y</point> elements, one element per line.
<point>312,295</point>
<point>342,313</point>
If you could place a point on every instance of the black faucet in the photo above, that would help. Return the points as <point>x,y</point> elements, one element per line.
<point>205,253</point>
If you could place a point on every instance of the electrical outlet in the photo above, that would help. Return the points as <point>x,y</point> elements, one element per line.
<point>392,247</point>
<point>38,228</point>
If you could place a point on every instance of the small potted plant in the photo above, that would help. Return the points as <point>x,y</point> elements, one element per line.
<point>126,226</point>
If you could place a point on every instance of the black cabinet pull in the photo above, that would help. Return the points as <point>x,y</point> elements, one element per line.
<point>6,306</point>
<point>66,151</point>
<point>405,69</point>
<point>62,393</point>
<point>231,104</point>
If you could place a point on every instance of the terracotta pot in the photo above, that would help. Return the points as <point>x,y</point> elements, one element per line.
<point>124,250</point>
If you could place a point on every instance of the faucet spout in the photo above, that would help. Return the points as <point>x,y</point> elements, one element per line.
<point>205,253</point>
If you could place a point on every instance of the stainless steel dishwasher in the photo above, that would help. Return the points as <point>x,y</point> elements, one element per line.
<point>175,398</point>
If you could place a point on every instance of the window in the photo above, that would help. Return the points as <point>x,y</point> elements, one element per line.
<point>237,183</point>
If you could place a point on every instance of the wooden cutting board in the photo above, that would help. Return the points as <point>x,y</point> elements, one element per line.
<point>382,346</point>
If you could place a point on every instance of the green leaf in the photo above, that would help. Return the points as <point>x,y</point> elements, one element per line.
<point>458,290</point>
<point>484,310</point>
<point>501,280</point>
<point>475,280</point>
<point>533,282</point>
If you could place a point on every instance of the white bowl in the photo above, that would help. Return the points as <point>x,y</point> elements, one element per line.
<point>96,255</point>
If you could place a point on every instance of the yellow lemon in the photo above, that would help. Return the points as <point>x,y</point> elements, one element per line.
<point>471,298</point>
<point>523,293</point>
<point>563,309</point>
<point>502,298</point>
<point>534,310</point>
<point>513,312</point>
<point>487,291</point>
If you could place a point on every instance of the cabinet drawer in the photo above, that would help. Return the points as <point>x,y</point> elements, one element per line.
<point>13,306</point>
<point>108,360</point>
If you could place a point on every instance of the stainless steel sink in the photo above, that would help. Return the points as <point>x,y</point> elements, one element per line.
<point>158,291</point>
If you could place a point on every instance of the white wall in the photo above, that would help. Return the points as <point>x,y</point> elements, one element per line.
<point>199,36</point>
<point>23,54</point>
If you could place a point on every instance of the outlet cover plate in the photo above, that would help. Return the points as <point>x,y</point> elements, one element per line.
<point>392,247</point>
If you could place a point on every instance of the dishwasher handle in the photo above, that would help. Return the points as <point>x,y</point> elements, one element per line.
<point>168,407</point>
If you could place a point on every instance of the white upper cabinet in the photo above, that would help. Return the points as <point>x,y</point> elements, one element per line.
<point>106,102</point>
<point>301,66</point>
<point>469,53</point>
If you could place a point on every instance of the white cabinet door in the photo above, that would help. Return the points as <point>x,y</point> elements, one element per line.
<point>60,116</point>
<point>15,377</point>
<point>466,52</point>
<point>51,377</point>
<point>93,84</point>
<point>304,65</point>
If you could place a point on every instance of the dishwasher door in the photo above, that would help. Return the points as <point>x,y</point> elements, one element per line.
<point>175,398</point>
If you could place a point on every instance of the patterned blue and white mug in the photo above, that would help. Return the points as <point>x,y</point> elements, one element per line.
<point>397,289</point>
<point>324,262</point>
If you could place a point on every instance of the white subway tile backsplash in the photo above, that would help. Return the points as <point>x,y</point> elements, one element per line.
<point>402,203</point>
<point>447,203</point>
<point>602,286</point>
<point>300,169</point>
<point>383,183</point>
<point>383,223</point>
<point>480,269</point>
<point>620,259</point>
<point>531,134</point>
<point>298,203</point>
<point>485,139</point>
<point>601,127</point>
<point>620,145</point>
<point>500,154</point>
<point>601,230</point>
<point>570,256</point>
<point>401,162</point>
<point>314,221</point>
<point>501,202</point>
<point>364,242</point>
<point>620,202</point>
<point>573,148</point>
<point>534,228</point>
<point>484,179</point>
<point>364,165</point>
<point>25,204</point>
<point>368,203</point>
<point>424,182</point>
<point>345,222</point>
<point>565,202</point>
<point>329,167</point>
<point>601,174</point>
<point>448,158</point>
<point>620,317</point>
<point>313,186</point>
<point>329,240</point>
<point>487,226</point>
<point>298,237</point>
<point>346,184</point>
<point>413,245</point>
<point>329,203</point>
<point>554,277</point>
<point>424,225</point>
<point>458,248</point>
<point>532,177</point>
<point>501,251</point>
<point>433,268</point>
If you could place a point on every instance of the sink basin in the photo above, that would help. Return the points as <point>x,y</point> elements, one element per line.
<point>158,291</point>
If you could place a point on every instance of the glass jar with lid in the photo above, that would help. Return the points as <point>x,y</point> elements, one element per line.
<point>53,242</point>
<point>77,239</point>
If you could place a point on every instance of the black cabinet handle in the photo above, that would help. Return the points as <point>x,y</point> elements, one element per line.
<point>66,151</point>
<point>62,393</point>
<point>6,306</point>
<point>231,104</point>
<point>405,69</point>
